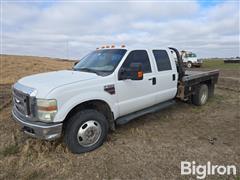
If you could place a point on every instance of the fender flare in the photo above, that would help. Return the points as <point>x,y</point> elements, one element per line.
<point>77,100</point>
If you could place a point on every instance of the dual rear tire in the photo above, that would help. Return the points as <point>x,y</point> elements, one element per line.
<point>201,95</point>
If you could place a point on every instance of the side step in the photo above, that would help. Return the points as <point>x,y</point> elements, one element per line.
<point>125,119</point>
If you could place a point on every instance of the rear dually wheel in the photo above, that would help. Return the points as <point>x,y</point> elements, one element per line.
<point>201,95</point>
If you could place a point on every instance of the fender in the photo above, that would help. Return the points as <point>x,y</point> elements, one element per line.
<point>65,108</point>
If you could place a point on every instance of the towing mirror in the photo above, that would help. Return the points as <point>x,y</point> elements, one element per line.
<point>134,72</point>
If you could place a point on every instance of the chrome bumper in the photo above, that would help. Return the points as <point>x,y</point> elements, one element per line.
<point>39,130</point>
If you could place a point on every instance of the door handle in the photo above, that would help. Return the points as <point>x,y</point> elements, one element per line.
<point>153,79</point>
<point>173,77</point>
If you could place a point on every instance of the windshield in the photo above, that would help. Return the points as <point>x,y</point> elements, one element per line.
<point>191,55</point>
<point>101,62</point>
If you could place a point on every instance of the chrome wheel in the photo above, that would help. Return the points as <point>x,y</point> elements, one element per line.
<point>189,65</point>
<point>89,133</point>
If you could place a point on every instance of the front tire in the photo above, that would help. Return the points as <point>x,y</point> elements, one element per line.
<point>85,131</point>
<point>189,64</point>
<point>201,96</point>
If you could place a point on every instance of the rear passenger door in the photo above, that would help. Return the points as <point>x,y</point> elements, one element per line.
<point>166,76</point>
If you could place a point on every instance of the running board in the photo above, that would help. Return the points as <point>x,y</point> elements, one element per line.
<point>125,119</point>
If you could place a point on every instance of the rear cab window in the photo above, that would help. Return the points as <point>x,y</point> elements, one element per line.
<point>162,60</point>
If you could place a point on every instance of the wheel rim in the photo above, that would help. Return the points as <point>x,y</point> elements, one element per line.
<point>204,97</point>
<point>189,65</point>
<point>89,133</point>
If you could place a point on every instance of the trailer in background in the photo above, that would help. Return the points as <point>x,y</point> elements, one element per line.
<point>232,60</point>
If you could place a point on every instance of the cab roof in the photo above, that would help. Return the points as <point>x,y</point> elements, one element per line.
<point>130,48</point>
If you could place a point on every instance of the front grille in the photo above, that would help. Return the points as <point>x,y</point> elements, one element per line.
<point>21,102</point>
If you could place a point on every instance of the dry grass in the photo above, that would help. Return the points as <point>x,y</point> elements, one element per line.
<point>150,147</point>
<point>15,67</point>
<point>10,150</point>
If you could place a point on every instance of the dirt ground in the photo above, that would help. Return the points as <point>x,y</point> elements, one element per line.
<point>149,147</point>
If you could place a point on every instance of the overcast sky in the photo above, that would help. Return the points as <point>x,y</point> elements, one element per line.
<point>71,29</point>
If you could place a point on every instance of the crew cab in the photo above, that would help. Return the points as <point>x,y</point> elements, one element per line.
<point>107,87</point>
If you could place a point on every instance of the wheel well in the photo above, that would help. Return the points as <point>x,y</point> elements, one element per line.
<point>207,82</point>
<point>98,105</point>
<point>210,85</point>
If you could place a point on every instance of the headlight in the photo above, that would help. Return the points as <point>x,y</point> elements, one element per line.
<point>46,109</point>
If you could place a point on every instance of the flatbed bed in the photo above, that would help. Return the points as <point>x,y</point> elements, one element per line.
<point>192,75</point>
<point>191,80</point>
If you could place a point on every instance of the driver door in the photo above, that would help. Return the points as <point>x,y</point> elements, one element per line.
<point>134,95</point>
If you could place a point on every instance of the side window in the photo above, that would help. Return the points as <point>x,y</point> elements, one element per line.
<point>138,56</point>
<point>162,60</point>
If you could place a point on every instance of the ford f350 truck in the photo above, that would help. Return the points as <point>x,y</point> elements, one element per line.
<point>109,86</point>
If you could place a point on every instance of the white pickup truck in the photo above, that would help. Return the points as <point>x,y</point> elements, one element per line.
<point>190,59</point>
<point>109,86</point>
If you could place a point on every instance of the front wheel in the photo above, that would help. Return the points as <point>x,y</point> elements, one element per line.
<point>85,131</point>
<point>189,64</point>
<point>201,95</point>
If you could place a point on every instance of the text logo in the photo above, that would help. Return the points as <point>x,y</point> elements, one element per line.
<point>201,171</point>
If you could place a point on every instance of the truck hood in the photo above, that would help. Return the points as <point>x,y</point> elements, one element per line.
<point>46,82</point>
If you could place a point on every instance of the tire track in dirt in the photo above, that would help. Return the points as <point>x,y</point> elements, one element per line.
<point>229,83</point>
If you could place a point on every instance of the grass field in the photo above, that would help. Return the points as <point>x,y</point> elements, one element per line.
<point>15,67</point>
<point>212,63</point>
<point>149,147</point>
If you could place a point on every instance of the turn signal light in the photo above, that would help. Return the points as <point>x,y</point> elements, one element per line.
<point>140,74</point>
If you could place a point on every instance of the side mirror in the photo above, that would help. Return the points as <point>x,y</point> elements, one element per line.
<point>135,72</point>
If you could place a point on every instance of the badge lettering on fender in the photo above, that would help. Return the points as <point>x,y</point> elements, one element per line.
<point>110,89</point>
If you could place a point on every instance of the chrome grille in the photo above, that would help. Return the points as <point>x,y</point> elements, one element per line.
<point>21,102</point>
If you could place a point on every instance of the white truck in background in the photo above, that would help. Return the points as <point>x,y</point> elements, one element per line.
<point>190,59</point>
<point>109,86</point>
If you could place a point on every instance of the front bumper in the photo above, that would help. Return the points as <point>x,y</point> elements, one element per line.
<point>39,129</point>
